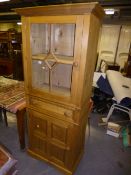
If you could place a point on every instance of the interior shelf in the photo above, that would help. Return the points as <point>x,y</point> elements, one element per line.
<point>55,89</point>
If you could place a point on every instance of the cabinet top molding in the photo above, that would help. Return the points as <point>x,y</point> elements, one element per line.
<point>63,9</point>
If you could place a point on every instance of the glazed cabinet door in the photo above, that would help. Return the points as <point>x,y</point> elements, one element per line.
<point>53,56</point>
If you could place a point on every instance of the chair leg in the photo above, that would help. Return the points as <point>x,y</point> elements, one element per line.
<point>5,117</point>
<point>118,107</point>
<point>0,114</point>
<point>130,114</point>
<point>109,114</point>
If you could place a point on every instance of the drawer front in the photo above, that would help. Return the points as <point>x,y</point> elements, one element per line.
<point>52,109</point>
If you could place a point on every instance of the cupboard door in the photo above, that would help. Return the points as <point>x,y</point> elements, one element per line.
<point>52,51</point>
<point>53,58</point>
<point>38,128</point>
<point>48,136</point>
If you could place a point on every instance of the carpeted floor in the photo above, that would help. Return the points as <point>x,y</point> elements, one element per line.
<point>104,154</point>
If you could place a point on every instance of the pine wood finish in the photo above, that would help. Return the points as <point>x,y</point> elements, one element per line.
<point>59,48</point>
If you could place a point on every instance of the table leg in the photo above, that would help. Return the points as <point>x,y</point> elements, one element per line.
<point>21,127</point>
<point>5,117</point>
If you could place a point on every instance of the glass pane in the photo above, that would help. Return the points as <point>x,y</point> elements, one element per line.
<point>52,47</point>
<point>39,38</point>
<point>63,39</point>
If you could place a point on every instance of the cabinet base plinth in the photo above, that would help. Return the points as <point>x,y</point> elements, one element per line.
<point>62,169</point>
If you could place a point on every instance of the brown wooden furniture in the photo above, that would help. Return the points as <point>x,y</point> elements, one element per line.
<point>12,99</point>
<point>11,54</point>
<point>59,49</point>
<point>7,162</point>
<point>6,66</point>
<point>18,66</point>
<point>8,40</point>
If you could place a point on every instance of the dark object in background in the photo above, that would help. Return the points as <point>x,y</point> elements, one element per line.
<point>108,66</point>
<point>102,101</point>
<point>6,66</point>
<point>126,134</point>
<point>128,65</point>
<point>104,86</point>
<point>4,49</point>
<point>18,66</point>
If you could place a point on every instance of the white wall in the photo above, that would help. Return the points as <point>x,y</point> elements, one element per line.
<point>114,43</point>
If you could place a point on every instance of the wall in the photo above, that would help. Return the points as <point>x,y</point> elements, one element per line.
<point>114,43</point>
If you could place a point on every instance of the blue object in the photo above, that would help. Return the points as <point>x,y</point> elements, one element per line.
<point>104,85</point>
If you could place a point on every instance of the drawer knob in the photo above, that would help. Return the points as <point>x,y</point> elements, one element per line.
<point>68,113</point>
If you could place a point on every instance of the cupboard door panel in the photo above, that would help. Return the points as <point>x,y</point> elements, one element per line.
<point>57,155</point>
<point>38,128</point>
<point>59,133</point>
<point>39,124</point>
<point>59,144</point>
<point>38,145</point>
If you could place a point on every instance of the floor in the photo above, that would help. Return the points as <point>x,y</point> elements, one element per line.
<point>104,154</point>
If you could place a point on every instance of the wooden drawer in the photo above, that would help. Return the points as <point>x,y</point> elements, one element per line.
<point>52,109</point>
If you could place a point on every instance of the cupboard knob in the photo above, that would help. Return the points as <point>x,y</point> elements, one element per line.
<point>37,126</point>
<point>75,64</point>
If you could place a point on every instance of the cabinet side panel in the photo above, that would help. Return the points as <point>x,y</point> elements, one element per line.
<point>25,50</point>
<point>90,57</point>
